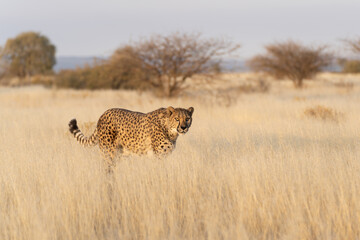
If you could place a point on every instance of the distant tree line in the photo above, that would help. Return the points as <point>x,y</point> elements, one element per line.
<point>164,63</point>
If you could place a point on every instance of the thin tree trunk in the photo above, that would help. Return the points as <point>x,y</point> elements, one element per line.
<point>166,86</point>
<point>298,83</point>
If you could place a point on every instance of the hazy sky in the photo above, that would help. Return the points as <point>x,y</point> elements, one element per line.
<point>97,28</point>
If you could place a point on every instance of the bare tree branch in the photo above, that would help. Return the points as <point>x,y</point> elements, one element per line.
<point>353,44</point>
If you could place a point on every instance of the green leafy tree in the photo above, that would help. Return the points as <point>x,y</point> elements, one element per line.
<point>28,54</point>
<point>291,60</point>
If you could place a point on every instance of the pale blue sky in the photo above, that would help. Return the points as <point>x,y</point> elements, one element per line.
<point>97,28</point>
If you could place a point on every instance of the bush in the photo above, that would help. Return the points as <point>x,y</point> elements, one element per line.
<point>127,71</point>
<point>71,78</point>
<point>121,70</point>
<point>351,66</point>
<point>323,113</point>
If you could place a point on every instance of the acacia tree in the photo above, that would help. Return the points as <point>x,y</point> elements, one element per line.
<point>291,60</point>
<point>172,59</point>
<point>28,54</point>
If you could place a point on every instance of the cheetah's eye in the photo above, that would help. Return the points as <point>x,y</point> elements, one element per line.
<point>187,119</point>
<point>177,119</point>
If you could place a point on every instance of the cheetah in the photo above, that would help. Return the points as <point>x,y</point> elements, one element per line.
<point>128,132</point>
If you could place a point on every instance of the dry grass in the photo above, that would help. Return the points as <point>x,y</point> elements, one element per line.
<point>254,170</point>
<point>323,113</point>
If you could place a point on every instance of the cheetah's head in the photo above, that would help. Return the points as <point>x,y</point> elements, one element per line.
<point>179,119</point>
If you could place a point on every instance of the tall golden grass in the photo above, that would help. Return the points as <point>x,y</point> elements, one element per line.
<point>257,169</point>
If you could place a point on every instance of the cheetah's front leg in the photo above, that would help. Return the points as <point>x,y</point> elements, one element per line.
<point>163,147</point>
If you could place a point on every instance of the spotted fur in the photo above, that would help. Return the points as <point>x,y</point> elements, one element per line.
<point>128,132</point>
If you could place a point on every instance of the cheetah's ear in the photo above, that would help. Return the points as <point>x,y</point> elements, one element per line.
<point>170,110</point>
<point>191,110</point>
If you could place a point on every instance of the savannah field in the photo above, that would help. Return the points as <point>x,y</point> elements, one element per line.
<point>282,164</point>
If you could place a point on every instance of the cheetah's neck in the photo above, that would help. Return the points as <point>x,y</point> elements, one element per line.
<point>172,134</point>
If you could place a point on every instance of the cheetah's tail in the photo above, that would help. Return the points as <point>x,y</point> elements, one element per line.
<point>85,141</point>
